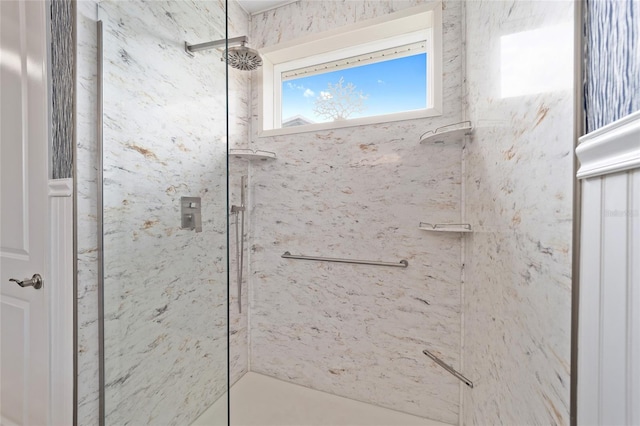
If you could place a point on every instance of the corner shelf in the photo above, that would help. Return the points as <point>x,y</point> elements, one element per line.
<point>252,155</point>
<point>447,134</point>
<point>445,227</point>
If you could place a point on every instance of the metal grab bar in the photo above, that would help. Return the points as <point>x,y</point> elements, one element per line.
<point>448,368</point>
<point>402,264</point>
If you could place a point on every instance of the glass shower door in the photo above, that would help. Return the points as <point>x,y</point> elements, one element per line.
<point>165,256</point>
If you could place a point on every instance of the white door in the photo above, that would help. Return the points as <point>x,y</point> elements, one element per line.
<point>24,350</point>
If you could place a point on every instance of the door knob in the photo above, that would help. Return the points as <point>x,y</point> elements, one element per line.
<point>35,282</point>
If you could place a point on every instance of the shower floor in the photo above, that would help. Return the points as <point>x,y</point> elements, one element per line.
<point>258,400</point>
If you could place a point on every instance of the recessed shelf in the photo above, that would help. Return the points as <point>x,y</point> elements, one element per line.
<point>445,227</point>
<point>446,134</point>
<point>252,155</point>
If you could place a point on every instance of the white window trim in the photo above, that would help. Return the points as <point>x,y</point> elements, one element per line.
<point>353,39</point>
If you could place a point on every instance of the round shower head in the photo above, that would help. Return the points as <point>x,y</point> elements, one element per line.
<point>243,58</point>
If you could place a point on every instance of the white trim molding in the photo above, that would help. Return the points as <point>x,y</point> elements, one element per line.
<point>613,148</point>
<point>608,378</point>
<point>60,187</point>
<point>60,286</point>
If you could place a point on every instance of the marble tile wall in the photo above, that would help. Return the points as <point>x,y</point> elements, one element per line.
<point>239,128</point>
<point>85,165</point>
<point>165,137</point>
<point>518,198</point>
<point>165,288</point>
<point>359,192</point>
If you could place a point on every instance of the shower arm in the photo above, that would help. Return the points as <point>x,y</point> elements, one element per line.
<point>235,41</point>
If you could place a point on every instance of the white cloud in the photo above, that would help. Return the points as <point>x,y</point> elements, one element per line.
<point>380,81</point>
<point>325,95</point>
<point>295,86</point>
<point>308,93</point>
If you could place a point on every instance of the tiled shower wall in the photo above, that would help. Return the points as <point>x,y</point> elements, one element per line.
<point>355,330</point>
<point>518,185</point>
<point>86,206</point>
<point>164,137</point>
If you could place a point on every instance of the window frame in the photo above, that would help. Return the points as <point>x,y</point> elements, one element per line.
<point>368,36</point>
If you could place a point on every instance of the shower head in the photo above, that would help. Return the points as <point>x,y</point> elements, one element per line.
<point>239,55</point>
<point>243,58</point>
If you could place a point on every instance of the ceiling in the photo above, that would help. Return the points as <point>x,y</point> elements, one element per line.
<point>255,6</point>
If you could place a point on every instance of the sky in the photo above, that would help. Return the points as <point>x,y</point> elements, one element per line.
<point>390,86</point>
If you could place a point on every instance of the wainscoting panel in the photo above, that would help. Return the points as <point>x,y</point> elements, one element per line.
<point>60,286</point>
<point>609,325</point>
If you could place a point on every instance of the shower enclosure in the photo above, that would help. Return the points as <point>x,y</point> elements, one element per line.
<point>490,300</point>
<point>164,215</point>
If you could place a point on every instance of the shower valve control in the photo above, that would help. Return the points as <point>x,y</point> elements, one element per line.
<point>191,213</point>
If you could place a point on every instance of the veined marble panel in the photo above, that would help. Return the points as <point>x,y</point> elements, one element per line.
<point>166,288</point>
<point>360,192</point>
<point>164,138</point>
<point>239,130</point>
<point>518,186</point>
<point>86,205</point>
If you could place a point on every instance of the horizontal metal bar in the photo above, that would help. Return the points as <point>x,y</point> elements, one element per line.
<point>402,264</point>
<point>448,368</point>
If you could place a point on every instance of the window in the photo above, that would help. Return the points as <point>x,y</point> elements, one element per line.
<point>382,70</point>
<point>377,83</point>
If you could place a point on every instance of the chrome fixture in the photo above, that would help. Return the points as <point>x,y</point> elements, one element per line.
<point>191,213</point>
<point>35,282</point>
<point>448,368</point>
<point>238,211</point>
<point>402,264</point>
<point>237,55</point>
<point>447,134</point>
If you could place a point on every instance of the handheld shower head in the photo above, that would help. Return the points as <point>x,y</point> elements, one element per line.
<point>243,58</point>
